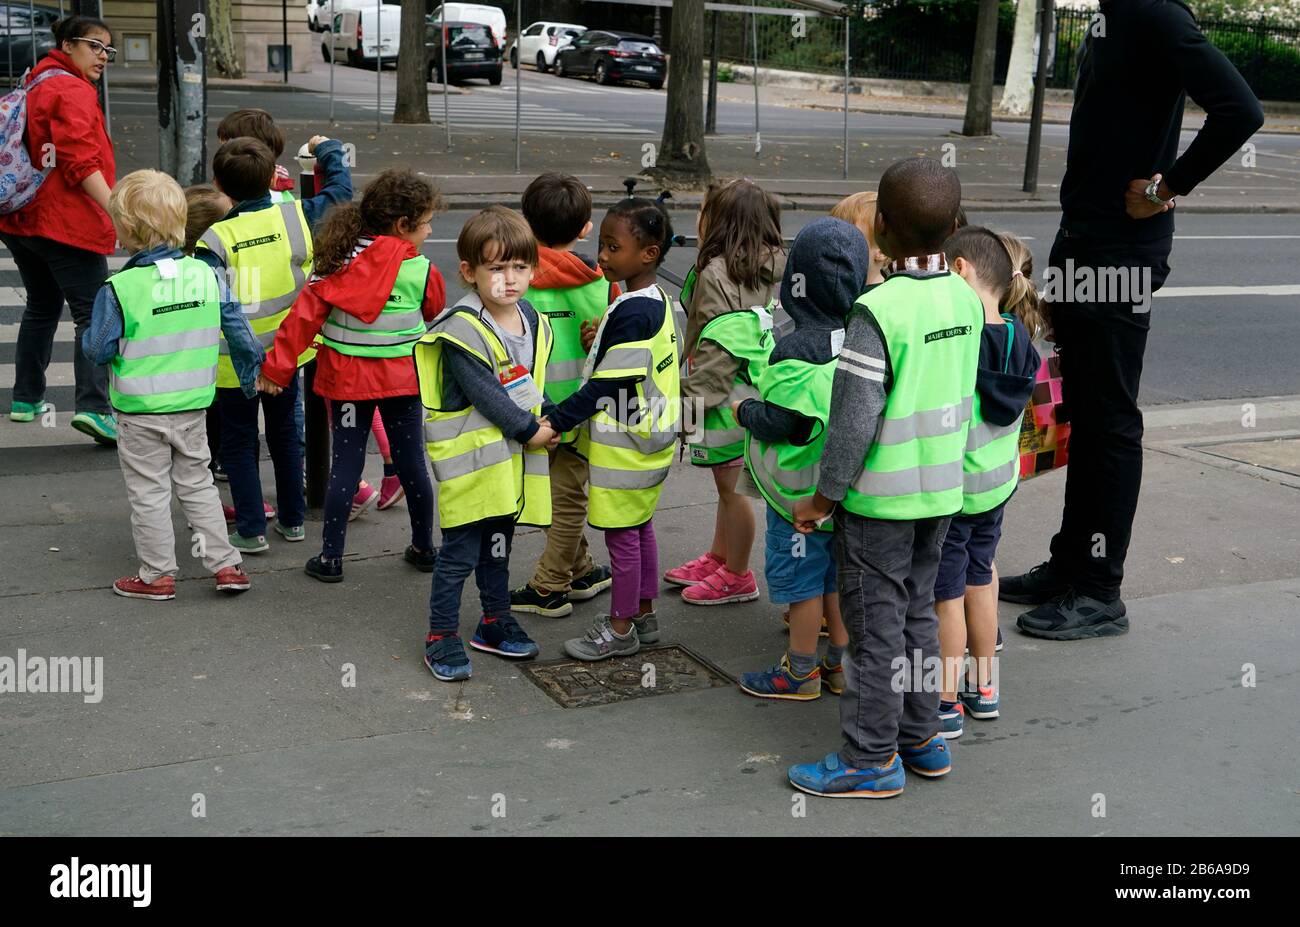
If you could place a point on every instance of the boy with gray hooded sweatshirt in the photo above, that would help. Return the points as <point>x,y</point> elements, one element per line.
<point>826,269</point>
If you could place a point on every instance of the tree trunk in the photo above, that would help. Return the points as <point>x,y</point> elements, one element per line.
<point>412,106</point>
<point>681,156</point>
<point>221,39</point>
<point>1018,94</point>
<point>979,103</point>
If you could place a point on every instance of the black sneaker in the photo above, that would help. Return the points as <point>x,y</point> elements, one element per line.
<point>1038,585</point>
<point>591,584</point>
<point>1074,617</point>
<point>326,569</point>
<point>550,604</point>
<point>998,647</point>
<point>422,560</point>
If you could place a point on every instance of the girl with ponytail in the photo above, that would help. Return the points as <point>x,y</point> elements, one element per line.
<point>1000,270</point>
<point>370,299</point>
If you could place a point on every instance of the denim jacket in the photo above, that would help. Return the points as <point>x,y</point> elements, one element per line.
<point>100,341</point>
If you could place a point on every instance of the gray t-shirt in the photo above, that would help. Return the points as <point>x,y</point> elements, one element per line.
<point>519,347</point>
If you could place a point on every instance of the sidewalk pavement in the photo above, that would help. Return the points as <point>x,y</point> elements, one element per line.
<point>244,701</point>
<point>801,171</point>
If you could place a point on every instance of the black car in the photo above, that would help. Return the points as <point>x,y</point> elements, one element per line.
<point>17,27</point>
<point>612,57</point>
<point>471,52</point>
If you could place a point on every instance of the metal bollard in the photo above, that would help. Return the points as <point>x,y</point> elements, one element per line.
<point>315,421</point>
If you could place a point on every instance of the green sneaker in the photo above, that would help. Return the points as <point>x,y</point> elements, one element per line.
<point>254,545</point>
<point>101,427</point>
<point>26,411</point>
<point>291,534</point>
<point>647,628</point>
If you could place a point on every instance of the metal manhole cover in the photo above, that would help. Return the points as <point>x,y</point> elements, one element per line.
<point>652,671</point>
<point>1280,454</point>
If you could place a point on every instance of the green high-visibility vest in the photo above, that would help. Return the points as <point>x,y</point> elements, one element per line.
<point>567,308</point>
<point>481,473</point>
<point>398,326</point>
<point>630,450</point>
<point>784,472</point>
<point>992,464</point>
<point>167,357</point>
<point>747,336</point>
<point>268,257</point>
<point>931,328</point>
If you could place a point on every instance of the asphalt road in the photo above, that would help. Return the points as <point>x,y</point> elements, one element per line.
<point>1231,342</point>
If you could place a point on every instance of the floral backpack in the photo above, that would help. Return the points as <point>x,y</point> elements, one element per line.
<point>19,178</point>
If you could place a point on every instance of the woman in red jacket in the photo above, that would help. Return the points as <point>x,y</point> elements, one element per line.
<point>370,298</point>
<point>60,239</point>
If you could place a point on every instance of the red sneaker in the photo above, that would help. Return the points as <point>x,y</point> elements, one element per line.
<point>722,588</point>
<point>390,492</point>
<point>133,587</point>
<point>232,579</point>
<point>366,496</point>
<point>693,571</point>
<point>229,512</point>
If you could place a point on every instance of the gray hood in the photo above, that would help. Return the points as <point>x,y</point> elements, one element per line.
<point>825,272</point>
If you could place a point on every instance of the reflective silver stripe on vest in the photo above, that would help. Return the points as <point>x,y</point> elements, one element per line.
<point>265,308</point>
<point>933,478</point>
<point>618,437</point>
<point>342,335</point>
<point>986,433</point>
<point>991,479</point>
<point>557,371</point>
<point>724,437</point>
<point>536,464</point>
<point>449,468</point>
<point>621,358</point>
<point>164,382</point>
<point>133,349</point>
<point>387,320</point>
<point>464,331</point>
<point>297,244</point>
<point>448,429</point>
<point>265,339</point>
<point>610,478</point>
<point>792,481</point>
<point>214,244</point>
<point>929,423</point>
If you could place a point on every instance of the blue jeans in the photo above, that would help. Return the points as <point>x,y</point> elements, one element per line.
<point>482,548</point>
<point>239,449</point>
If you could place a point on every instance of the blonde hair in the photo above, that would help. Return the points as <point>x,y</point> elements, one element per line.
<point>859,209</point>
<point>496,234</point>
<point>148,208</point>
<point>1022,299</point>
<point>203,207</point>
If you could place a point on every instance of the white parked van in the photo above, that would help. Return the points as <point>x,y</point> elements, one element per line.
<point>319,12</point>
<point>491,16</point>
<point>365,36</point>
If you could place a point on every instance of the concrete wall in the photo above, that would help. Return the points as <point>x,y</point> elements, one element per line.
<point>257,24</point>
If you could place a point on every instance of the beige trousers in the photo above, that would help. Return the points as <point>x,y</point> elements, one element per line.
<point>566,556</point>
<point>159,453</point>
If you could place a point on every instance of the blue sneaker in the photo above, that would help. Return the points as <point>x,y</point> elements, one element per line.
<point>446,658</point>
<point>982,703</point>
<point>950,721</point>
<point>780,682</point>
<point>931,759</point>
<point>503,637</point>
<point>102,426</point>
<point>829,779</point>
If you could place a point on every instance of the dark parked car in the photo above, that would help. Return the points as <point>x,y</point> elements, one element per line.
<point>612,57</point>
<point>471,52</point>
<point>16,28</point>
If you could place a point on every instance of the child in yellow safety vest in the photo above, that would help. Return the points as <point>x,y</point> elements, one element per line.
<point>482,377</point>
<point>999,269</point>
<point>158,322</point>
<point>629,410</point>
<point>570,290</point>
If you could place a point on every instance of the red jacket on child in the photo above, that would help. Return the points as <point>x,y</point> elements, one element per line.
<point>361,288</point>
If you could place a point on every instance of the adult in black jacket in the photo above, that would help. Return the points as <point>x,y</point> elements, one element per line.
<point>1142,59</point>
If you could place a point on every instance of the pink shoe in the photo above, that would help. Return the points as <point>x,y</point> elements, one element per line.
<point>390,492</point>
<point>229,512</point>
<point>366,497</point>
<point>693,571</point>
<point>722,588</point>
